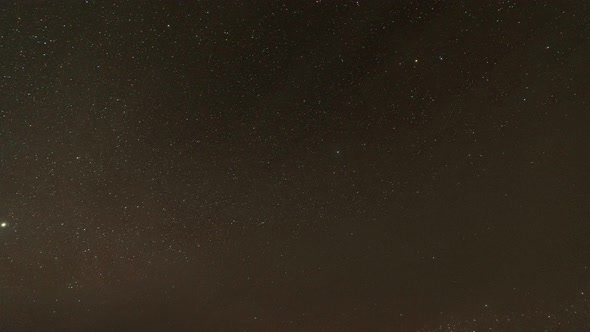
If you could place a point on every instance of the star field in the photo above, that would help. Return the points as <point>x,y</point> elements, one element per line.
<point>294,165</point>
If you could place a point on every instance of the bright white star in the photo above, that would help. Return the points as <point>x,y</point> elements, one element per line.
<point>3,224</point>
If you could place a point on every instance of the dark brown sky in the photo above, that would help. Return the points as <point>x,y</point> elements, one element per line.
<point>294,166</point>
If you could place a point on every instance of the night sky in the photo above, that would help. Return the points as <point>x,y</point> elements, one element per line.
<point>295,165</point>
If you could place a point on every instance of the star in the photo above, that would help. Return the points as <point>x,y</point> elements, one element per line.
<point>3,225</point>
